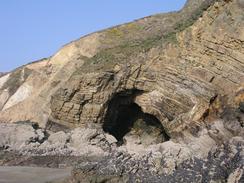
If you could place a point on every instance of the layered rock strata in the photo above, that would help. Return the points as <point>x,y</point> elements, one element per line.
<point>161,99</point>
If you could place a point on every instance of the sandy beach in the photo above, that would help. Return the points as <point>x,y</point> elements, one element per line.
<point>9,174</point>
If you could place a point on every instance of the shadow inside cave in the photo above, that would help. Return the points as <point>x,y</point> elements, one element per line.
<point>124,117</point>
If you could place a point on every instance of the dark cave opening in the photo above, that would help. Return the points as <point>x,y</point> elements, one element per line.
<point>124,116</point>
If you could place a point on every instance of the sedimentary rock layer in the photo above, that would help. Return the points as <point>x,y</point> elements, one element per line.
<point>178,82</point>
<point>152,98</point>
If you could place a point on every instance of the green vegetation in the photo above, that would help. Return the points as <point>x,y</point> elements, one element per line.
<point>120,32</point>
<point>182,25</point>
<point>106,59</point>
<point>115,32</point>
<point>194,17</point>
<point>128,49</point>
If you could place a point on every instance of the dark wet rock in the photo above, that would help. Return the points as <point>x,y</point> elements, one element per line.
<point>242,107</point>
<point>219,166</point>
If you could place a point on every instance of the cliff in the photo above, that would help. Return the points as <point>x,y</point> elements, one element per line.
<point>175,77</point>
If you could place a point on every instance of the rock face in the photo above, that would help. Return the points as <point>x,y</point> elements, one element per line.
<point>28,139</point>
<point>154,98</point>
<point>177,80</point>
<point>173,65</point>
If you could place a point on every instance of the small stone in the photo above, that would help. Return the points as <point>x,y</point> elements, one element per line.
<point>58,138</point>
<point>111,139</point>
<point>40,134</point>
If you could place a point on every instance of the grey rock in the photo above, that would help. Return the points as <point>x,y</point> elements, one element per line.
<point>60,137</point>
<point>17,136</point>
<point>241,3</point>
<point>242,107</point>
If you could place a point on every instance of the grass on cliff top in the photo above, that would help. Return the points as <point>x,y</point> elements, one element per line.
<point>120,32</point>
<point>108,58</point>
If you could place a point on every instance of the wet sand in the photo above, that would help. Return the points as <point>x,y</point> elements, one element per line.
<point>11,174</point>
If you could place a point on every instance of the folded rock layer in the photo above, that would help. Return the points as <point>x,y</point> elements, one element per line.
<point>181,62</point>
<point>173,77</point>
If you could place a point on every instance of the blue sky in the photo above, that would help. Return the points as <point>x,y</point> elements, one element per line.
<point>34,29</point>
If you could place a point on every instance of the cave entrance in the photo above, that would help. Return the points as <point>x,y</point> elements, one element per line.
<point>124,117</point>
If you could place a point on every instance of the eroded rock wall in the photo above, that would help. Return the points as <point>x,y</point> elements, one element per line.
<point>182,70</point>
<point>179,80</point>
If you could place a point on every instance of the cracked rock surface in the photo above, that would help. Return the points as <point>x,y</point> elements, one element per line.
<point>160,99</point>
